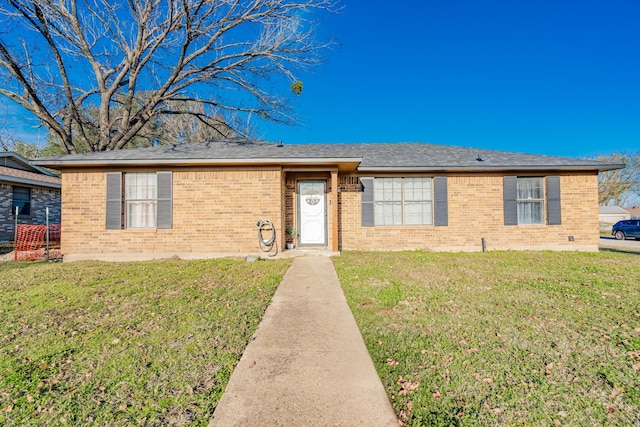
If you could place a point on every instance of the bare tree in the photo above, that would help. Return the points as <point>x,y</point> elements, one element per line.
<point>186,127</point>
<point>98,72</point>
<point>620,186</point>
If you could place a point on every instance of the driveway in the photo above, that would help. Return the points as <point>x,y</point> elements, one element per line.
<point>629,245</point>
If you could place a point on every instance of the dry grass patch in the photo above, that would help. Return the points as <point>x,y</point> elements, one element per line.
<point>147,343</point>
<point>502,338</point>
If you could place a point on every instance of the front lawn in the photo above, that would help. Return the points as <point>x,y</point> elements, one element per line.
<point>501,338</point>
<point>147,343</point>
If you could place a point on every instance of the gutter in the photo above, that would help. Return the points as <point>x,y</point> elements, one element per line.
<point>316,161</point>
<point>603,168</point>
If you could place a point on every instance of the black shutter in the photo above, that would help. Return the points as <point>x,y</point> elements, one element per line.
<point>510,188</point>
<point>441,201</point>
<point>554,216</point>
<point>114,201</point>
<point>366,202</point>
<point>165,200</point>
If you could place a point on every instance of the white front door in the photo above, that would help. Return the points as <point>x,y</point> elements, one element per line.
<point>312,212</point>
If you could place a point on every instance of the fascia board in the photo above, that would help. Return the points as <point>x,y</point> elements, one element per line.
<point>14,180</point>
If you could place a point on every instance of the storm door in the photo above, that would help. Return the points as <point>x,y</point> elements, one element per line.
<point>312,213</point>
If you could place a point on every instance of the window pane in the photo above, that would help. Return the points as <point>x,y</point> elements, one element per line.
<point>530,213</point>
<point>417,189</point>
<point>312,188</point>
<point>387,189</point>
<point>21,200</point>
<point>24,208</point>
<point>141,214</point>
<point>141,191</point>
<point>378,189</point>
<point>418,213</point>
<point>396,189</point>
<point>388,213</point>
<point>530,188</point>
<point>140,186</point>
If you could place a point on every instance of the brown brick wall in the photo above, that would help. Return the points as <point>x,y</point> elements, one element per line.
<point>476,211</point>
<point>215,210</point>
<point>289,204</point>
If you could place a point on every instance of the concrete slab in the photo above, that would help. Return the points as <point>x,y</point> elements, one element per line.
<point>308,364</point>
<point>124,257</point>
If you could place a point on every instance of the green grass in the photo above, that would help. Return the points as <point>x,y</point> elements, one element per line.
<point>149,343</point>
<point>501,338</point>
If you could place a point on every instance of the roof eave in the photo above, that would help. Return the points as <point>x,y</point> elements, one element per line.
<point>348,162</point>
<point>501,168</point>
<point>26,181</point>
<point>28,163</point>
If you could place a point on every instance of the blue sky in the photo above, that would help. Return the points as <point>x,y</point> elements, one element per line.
<point>551,77</point>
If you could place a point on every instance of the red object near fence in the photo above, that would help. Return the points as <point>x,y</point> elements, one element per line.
<point>31,242</point>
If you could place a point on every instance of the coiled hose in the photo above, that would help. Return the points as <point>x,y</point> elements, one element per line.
<point>270,243</point>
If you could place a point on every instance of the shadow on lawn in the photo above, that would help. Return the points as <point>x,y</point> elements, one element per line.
<point>621,251</point>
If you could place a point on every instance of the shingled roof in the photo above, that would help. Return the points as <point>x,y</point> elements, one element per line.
<point>16,169</point>
<point>364,157</point>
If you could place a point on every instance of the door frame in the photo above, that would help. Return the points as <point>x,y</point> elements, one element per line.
<point>299,212</point>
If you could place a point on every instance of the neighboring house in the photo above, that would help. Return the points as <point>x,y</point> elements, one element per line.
<point>612,214</point>
<point>31,189</point>
<point>200,200</point>
<point>634,211</point>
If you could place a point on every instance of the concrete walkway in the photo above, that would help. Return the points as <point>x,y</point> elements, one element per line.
<point>308,364</point>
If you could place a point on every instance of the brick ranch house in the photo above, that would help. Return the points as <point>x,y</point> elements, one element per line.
<point>202,200</point>
<point>29,188</point>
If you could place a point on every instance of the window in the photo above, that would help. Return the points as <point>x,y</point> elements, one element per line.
<point>417,201</point>
<point>140,195</point>
<point>21,201</point>
<point>387,197</point>
<point>530,199</point>
<point>144,201</point>
<point>403,201</point>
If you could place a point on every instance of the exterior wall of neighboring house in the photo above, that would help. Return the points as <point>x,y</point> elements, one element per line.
<point>634,212</point>
<point>6,218</point>
<point>610,219</point>
<point>476,211</point>
<point>609,215</point>
<point>215,210</point>
<point>41,198</point>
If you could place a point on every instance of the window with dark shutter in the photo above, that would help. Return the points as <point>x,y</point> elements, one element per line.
<point>554,216</point>
<point>165,200</point>
<point>367,202</point>
<point>510,200</point>
<point>525,199</point>
<point>441,201</point>
<point>114,201</point>
<point>147,200</point>
<point>398,201</point>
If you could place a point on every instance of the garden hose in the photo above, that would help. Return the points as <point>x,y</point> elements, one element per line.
<point>266,228</point>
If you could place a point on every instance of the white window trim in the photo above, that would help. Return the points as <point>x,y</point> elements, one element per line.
<point>541,201</point>
<point>152,224</point>
<point>403,202</point>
